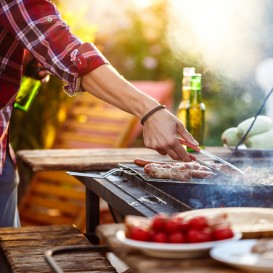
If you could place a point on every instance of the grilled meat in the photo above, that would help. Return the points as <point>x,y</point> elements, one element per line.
<point>178,171</point>
<point>264,247</point>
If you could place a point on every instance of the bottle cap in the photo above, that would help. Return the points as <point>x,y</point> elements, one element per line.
<point>188,71</point>
<point>196,81</point>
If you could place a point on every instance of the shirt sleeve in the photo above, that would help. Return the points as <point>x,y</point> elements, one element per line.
<point>38,26</point>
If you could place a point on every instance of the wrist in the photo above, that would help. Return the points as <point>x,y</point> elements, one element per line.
<point>151,112</point>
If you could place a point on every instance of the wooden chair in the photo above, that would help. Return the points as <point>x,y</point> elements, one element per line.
<point>55,197</point>
<point>91,123</point>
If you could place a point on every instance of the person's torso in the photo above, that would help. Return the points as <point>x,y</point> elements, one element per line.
<point>11,58</point>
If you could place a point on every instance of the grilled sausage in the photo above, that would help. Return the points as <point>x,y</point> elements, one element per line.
<point>180,165</point>
<point>142,162</point>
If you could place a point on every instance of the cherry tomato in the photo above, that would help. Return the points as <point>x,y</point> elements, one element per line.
<point>176,238</point>
<point>139,234</point>
<point>198,222</point>
<point>183,225</point>
<point>172,225</point>
<point>158,222</point>
<point>198,236</point>
<point>159,237</point>
<point>222,233</point>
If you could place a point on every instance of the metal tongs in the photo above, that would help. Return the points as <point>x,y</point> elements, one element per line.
<point>214,170</point>
<point>210,155</point>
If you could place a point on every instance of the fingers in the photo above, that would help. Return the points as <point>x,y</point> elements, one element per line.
<point>171,148</point>
<point>45,79</point>
<point>179,153</point>
<point>44,75</point>
<point>43,72</point>
<point>183,132</point>
<point>161,151</point>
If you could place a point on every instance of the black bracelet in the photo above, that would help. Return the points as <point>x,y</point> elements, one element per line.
<point>151,112</point>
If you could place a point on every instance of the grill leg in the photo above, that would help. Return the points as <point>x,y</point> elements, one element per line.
<point>92,216</point>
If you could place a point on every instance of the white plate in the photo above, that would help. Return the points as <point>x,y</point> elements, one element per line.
<point>239,254</point>
<point>165,250</point>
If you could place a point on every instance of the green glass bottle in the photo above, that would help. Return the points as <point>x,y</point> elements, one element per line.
<point>196,112</point>
<point>182,112</point>
<point>30,85</point>
<point>28,90</point>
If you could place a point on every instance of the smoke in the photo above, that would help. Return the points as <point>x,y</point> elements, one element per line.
<point>226,34</point>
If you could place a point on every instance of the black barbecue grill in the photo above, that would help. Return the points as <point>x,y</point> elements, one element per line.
<point>220,191</point>
<point>128,190</point>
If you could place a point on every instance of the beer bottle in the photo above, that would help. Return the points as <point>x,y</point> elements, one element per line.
<point>183,108</point>
<point>196,116</point>
<point>29,87</point>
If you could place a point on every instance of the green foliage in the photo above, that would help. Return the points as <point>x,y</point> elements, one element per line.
<point>140,51</point>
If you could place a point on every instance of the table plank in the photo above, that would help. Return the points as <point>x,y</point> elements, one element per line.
<point>82,159</point>
<point>93,159</point>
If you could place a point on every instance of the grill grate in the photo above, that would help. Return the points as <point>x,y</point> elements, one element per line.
<point>266,177</point>
<point>214,192</point>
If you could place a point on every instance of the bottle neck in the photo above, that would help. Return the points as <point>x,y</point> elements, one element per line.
<point>186,91</point>
<point>195,96</point>
<point>186,87</point>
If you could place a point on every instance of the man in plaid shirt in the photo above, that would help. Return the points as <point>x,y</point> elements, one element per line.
<point>36,25</point>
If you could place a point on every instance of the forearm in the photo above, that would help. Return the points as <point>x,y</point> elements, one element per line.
<point>160,130</point>
<point>106,84</point>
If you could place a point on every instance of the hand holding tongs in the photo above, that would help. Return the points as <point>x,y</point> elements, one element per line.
<point>212,156</point>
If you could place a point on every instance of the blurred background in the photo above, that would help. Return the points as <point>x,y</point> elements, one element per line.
<point>229,42</point>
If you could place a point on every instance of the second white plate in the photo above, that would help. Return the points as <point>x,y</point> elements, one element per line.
<point>239,254</point>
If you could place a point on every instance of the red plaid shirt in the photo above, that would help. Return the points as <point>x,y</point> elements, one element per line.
<point>37,26</point>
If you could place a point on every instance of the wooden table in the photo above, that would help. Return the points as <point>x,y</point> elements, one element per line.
<point>140,263</point>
